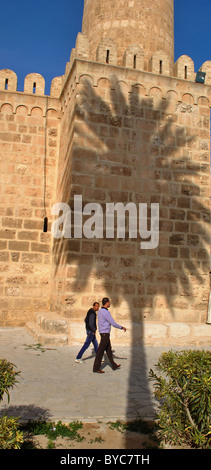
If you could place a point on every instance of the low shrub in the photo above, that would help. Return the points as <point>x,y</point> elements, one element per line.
<point>183,384</point>
<point>8,377</point>
<point>10,436</point>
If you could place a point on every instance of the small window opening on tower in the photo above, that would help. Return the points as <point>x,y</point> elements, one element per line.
<point>6,84</point>
<point>107,56</point>
<point>34,87</point>
<point>186,72</point>
<point>161,67</point>
<point>134,61</point>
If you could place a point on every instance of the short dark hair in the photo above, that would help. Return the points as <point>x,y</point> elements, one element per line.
<point>96,303</point>
<point>105,300</point>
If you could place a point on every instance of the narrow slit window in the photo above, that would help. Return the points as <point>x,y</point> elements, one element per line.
<point>34,87</point>
<point>161,67</point>
<point>134,61</point>
<point>107,56</point>
<point>6,84</point>
<point>186,72</point>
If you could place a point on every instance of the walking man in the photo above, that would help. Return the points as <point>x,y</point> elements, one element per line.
<point>91,327</point>
<point>105,321</point>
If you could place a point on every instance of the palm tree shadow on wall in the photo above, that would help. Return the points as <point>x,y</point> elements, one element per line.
<point>129,147</point>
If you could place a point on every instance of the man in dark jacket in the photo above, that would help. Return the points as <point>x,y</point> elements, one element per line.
<point>91,327</point>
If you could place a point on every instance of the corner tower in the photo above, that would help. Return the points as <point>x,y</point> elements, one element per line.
<point>147,23</point>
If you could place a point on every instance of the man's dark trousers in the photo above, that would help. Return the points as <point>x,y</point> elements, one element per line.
<point>105,345</point>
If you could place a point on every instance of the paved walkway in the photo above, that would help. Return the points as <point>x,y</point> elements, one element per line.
<point>53,386</point>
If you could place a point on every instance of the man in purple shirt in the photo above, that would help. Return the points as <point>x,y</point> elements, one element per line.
<point>105,321</point>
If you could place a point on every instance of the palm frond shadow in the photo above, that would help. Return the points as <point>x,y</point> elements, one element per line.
<point>158,151</point>
<point>139,138</point>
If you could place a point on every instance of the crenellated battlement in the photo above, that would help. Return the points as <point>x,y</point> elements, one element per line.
<point>34,83</point>
<point>134,59</point>
<point>106,53</point>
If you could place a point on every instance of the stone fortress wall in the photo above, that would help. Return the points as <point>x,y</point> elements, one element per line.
<point>134,128</point>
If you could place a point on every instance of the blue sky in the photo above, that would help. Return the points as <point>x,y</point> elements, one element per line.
<point>37,36</point>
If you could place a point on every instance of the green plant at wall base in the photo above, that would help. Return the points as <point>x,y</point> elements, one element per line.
<point>52,430</point>
<point>8,377</point>
<point>183,384</point>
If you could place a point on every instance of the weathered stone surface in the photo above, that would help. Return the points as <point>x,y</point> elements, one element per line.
<point>43,337</point>
<point>179,330</point>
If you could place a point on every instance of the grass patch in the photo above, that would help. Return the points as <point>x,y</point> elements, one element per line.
<point>51,430</point>
<point>38,348</point>
<point>138,426</point>
<point>98,439</point>
<point>71,432</point>
<point>118,426</point>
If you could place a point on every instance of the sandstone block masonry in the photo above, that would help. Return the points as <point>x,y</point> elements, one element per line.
<point>130,22</point>
<point>29,146</point>
<point>136,137</point>
<point>136,132</point>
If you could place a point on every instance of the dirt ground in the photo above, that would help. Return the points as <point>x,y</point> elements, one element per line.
<point>100,436</point>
